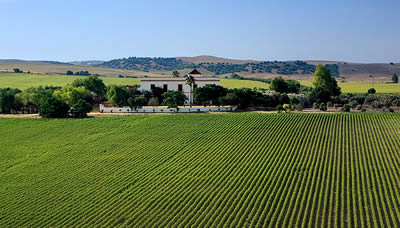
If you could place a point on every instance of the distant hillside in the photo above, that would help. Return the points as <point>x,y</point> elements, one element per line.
<point>18,61</point>
<point>213,65</point>
<point>209,66</point>
<point>87,63</point>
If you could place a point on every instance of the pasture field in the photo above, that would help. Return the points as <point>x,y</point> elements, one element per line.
<point>238,169</point>
<point>24,81</point>
<point>362,87</point>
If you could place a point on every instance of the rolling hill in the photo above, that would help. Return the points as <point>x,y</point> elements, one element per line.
<point>208,65</point>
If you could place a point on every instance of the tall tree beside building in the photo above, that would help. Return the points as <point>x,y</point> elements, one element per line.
<point>191,82</point>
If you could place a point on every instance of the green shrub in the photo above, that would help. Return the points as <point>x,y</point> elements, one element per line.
<point>323,107</point>
<point>346,108</point>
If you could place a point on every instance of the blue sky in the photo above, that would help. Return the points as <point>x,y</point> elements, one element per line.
<point>65,30</point>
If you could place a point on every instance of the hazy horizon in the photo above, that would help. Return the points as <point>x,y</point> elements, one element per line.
<point>351,31</point>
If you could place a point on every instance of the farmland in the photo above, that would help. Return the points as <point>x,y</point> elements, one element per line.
<point>23,81</point>
<point>204,170</point>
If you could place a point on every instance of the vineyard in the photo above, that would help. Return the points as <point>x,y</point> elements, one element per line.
<point>204,170</point>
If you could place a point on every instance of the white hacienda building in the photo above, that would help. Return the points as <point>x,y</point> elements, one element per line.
<point>171,83</point>
<point>177,83</point>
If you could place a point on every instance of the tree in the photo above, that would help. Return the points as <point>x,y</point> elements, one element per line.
<point>70,72</point>
<point>71,95</point>
<point>137,101</point>
<point>32,98</point>
<point>324,85</point>
<point>93,84</point>
<point>229,99</point>
<point>371,91</point>
<point>54,108</point>
<point>209,94</point>
<point>279,85</point>
<point>8,101</point>
<point>175,73</point>
<point>293,86</point>
<point>191,82</point>
<point>153,101</point>
<point>174,99</point>
<point>395,78</point>
<point>80,109</point>
<point>17,70</point>
<point>117,95</point>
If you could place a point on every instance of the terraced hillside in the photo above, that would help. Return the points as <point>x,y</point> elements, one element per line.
<point>201,170</point>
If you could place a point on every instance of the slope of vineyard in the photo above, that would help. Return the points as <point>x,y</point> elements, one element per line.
<point>201,170</point>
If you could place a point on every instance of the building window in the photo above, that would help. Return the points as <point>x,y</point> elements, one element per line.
<point>165,87</point>
<point>180,88</point>
<point>152,86</point>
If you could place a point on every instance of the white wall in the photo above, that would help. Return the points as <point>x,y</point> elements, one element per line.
<point>163,109</point>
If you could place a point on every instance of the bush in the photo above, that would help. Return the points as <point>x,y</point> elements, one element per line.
<point>286,107</point>
<point>363,109</point>
<point>346,108</point>
<point>323,107</point>
<point>80,109</point>
<point>279,108</point>
<point>54,108</point>
<point>315,106</point>
<point>299,107</point>
<point>390,110</point>
<point>371,91</point>
<point>174,98</point>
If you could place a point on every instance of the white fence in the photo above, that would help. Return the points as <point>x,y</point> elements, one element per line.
<point>165,109</point>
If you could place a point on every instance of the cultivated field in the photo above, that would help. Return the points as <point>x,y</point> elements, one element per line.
<point>362,87</point>
<point>23,81</point>
<point>201,170</point>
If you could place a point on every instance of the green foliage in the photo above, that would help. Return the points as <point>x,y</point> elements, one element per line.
<point>80,109</point>
<point>175,73</point>
<point>324,85</point>
<point>346,108</point>
<point>286,107</point>
<point>117,95</point>
<point>371,91</point>
<point>333,69</point>
<point>280,85</point>
<point>174,99</point>
<point>91,83</point>
<point>54,108</point>
<point>395,78</point>
<point>279,108</point>
<point>139,101</point>
<point>8,101</point>
<point>71,95</point>
<point>70,72</point>
<point>229,99</point>
<point>323,107</point>
<point>209,94</point>
<point>171,64</point>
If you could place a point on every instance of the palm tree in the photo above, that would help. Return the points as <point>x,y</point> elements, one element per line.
<point>190,81</point>
<point>175,73</point>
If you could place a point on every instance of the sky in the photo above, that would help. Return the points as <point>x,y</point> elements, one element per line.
<point>66,30</point>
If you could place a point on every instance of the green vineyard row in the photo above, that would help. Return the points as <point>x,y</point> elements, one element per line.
<point>237,170</point>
